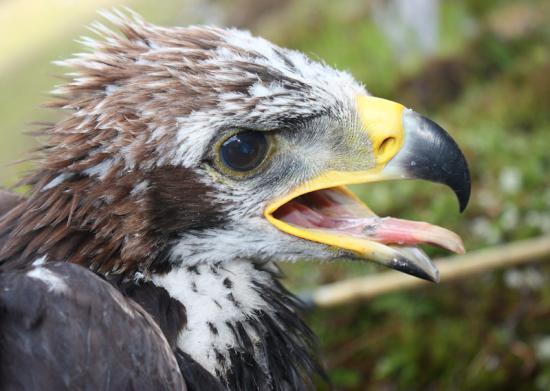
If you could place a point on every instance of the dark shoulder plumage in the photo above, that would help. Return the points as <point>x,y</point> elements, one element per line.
<point>62,327</point>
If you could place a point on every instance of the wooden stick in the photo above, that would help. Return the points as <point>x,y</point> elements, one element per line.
<point>451,268</point>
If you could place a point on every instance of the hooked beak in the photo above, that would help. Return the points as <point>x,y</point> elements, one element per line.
<point>405,145</point>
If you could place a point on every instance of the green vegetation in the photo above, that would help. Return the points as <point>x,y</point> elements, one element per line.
<point>491,89</point>
<point>489,85</point>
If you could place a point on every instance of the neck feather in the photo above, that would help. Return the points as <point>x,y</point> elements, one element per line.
<point>243,325</point>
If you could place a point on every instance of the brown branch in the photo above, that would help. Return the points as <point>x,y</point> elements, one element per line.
<point>451,268</point>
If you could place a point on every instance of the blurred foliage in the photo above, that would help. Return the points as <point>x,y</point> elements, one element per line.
<point>491,89</point>
<point>489,84</point>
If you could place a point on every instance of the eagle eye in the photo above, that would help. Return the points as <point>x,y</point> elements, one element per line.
<point>244,151</point>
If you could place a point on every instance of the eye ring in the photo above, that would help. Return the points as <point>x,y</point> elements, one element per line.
<point>243,151</point>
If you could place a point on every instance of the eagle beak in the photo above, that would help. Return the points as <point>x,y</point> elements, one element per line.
<point>405,145</point>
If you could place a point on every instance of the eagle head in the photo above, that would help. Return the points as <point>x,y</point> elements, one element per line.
<point>198,157</point>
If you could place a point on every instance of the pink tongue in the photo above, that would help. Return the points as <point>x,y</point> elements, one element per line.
<point>387,230</point>
<point>410,233</point>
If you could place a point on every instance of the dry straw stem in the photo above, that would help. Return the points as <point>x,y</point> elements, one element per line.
<point>451,268</point>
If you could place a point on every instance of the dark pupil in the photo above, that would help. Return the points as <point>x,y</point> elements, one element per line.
<point>244,151</point>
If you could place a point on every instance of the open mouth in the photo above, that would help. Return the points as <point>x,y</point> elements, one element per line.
<point>336,217</point>
<point>404,145</point>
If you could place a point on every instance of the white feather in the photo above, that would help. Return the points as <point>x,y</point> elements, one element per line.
<point>54,281</point>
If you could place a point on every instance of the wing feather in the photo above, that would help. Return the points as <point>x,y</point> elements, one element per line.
<point>64,328</point>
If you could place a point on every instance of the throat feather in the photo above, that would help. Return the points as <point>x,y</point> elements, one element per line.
<point>243,326</point>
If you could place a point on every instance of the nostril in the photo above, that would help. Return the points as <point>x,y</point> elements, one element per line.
<point>386,145</point>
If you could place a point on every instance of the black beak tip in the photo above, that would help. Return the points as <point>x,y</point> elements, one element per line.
<point>406,266</point>
<point>463,199</point>
<point>463,187</point>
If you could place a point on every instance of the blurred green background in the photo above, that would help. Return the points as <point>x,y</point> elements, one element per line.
<point>479,68</point>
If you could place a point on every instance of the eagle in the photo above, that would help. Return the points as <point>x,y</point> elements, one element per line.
<point>189,163</point>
